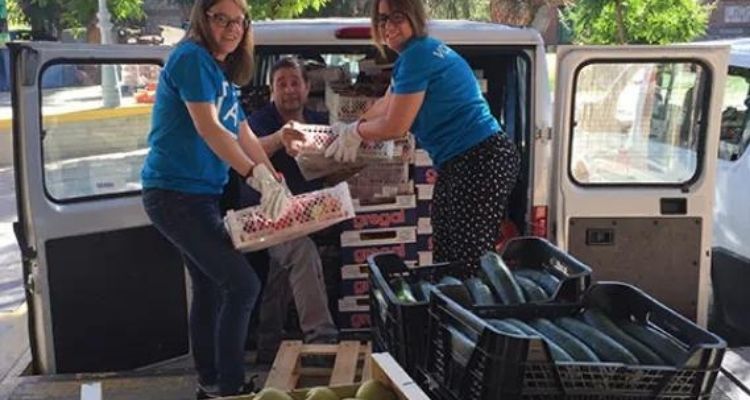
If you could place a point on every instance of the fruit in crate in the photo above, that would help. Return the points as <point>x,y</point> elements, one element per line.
<point>321,393</point>
<point>302,210</point>
<point>272,394</point>
<point>374,390</point>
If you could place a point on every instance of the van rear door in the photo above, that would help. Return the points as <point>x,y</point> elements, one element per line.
<point>105,291</point>
<point>637,131</point>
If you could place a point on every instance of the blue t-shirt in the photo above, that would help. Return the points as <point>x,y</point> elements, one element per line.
<point>454,116</point>
<point>179,158</point>
<point>266,121</point>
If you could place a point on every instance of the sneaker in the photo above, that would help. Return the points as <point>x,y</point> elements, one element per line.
<point>203,392</point>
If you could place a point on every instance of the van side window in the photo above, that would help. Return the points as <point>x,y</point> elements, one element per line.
<point>637,123</point>
<point>95,120</point>
<point>735,132</point>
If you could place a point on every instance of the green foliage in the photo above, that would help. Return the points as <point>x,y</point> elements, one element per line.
<point>16,16</point>
<point>478,10</point>
<point>52,16</point>
<point>274,9</point>
<point>644,21</point>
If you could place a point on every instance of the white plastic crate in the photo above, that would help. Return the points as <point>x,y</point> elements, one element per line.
<point>346,105</point>
<point>314,164</point>
<point>251,230</point>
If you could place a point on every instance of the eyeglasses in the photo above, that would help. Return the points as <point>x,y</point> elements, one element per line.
<point>225,22</point>
<point>395,18</point>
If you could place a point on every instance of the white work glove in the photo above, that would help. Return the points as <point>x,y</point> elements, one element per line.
<point>346,145</point>
<point>274,195</point>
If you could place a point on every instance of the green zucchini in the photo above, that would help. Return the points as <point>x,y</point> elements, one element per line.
<point>606,348</point>
<point>500,279</point>
<point>558,353</point>
<point>457,293</point>
<point>545,279</point>
<point>422,289</point>
<point>402,290</point>
<point>479,292</point>
<point>599,320</point>
<point>450,280</point>
<point>531,291</point>
<point>506,327</point>
<point>571,344</point>
<point>657,341</point>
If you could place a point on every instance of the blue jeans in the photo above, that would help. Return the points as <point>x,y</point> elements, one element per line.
<point>224,285</point>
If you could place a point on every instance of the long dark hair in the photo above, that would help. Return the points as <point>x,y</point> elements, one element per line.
<point>239,64</point>
<point>414,11</point>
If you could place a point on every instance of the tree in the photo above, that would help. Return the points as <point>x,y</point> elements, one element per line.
<point>274,9</point>
<point>477,10</point>
<point>50,17</point>
<point>533,13</point>
<point>636,21</point>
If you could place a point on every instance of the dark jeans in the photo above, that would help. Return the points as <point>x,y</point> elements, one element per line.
<point>224,285</point>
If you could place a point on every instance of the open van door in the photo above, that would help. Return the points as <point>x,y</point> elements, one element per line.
<point>105,291</point>
<point>637,132</point>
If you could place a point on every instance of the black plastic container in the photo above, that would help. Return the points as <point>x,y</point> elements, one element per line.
<point>401,328</point>
<point>501,366</point>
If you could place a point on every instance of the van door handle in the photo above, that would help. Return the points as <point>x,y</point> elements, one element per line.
<point>600,237</point>
<point>673,206</point>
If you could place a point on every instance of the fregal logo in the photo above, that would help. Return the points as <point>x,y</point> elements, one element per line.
<point>360,255</point>
<point>360,320</point>
<point>361,287</point>
<point>383,220</point>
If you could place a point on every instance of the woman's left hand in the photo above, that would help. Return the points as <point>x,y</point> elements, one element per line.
<point>346,145</point>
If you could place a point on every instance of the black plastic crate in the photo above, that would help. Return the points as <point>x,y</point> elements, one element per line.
<point>401,328</point>
<point>537,253</point>
<point>497,365</point>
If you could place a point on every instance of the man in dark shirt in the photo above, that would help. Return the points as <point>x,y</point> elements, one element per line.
<point>295,263</point>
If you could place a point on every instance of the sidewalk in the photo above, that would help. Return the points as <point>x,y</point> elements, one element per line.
<point>14,351</point>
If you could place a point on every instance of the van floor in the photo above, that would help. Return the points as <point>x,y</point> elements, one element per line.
<point>178,383</point>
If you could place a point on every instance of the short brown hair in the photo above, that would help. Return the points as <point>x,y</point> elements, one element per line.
<point>239,63</point>
<point>291,63</point>
<point>414,11</point>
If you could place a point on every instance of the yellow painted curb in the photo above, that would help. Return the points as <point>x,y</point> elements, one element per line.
<point>87,115</point>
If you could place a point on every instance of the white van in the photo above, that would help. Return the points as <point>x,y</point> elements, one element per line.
<point>106,293</point>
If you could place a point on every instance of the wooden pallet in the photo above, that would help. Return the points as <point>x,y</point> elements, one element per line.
<point>351,365</point>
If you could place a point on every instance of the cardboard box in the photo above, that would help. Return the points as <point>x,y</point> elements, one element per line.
<point>384,212</point>
<point>424,243</point>
<point>425,258</point>
<point>356,246</point>
<point>424,226</point>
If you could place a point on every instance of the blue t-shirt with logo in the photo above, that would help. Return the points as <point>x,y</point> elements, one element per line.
<point>179,159</point>
<point>454,116</point>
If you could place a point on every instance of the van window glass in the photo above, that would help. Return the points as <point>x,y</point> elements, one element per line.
<point>95,120</point>
<point>637,123</point>
<point>735,132</point>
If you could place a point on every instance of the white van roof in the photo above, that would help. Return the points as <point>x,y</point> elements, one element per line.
<point>322,31</point>
<point>739,53</point>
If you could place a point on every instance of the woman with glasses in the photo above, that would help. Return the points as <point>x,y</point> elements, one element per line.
<point>435,95</point>
<point>198,131</point>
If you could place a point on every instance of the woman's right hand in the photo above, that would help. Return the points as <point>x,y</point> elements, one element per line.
<point>274,195</point>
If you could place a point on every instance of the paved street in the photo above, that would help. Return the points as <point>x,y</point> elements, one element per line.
<point>11,289</point>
